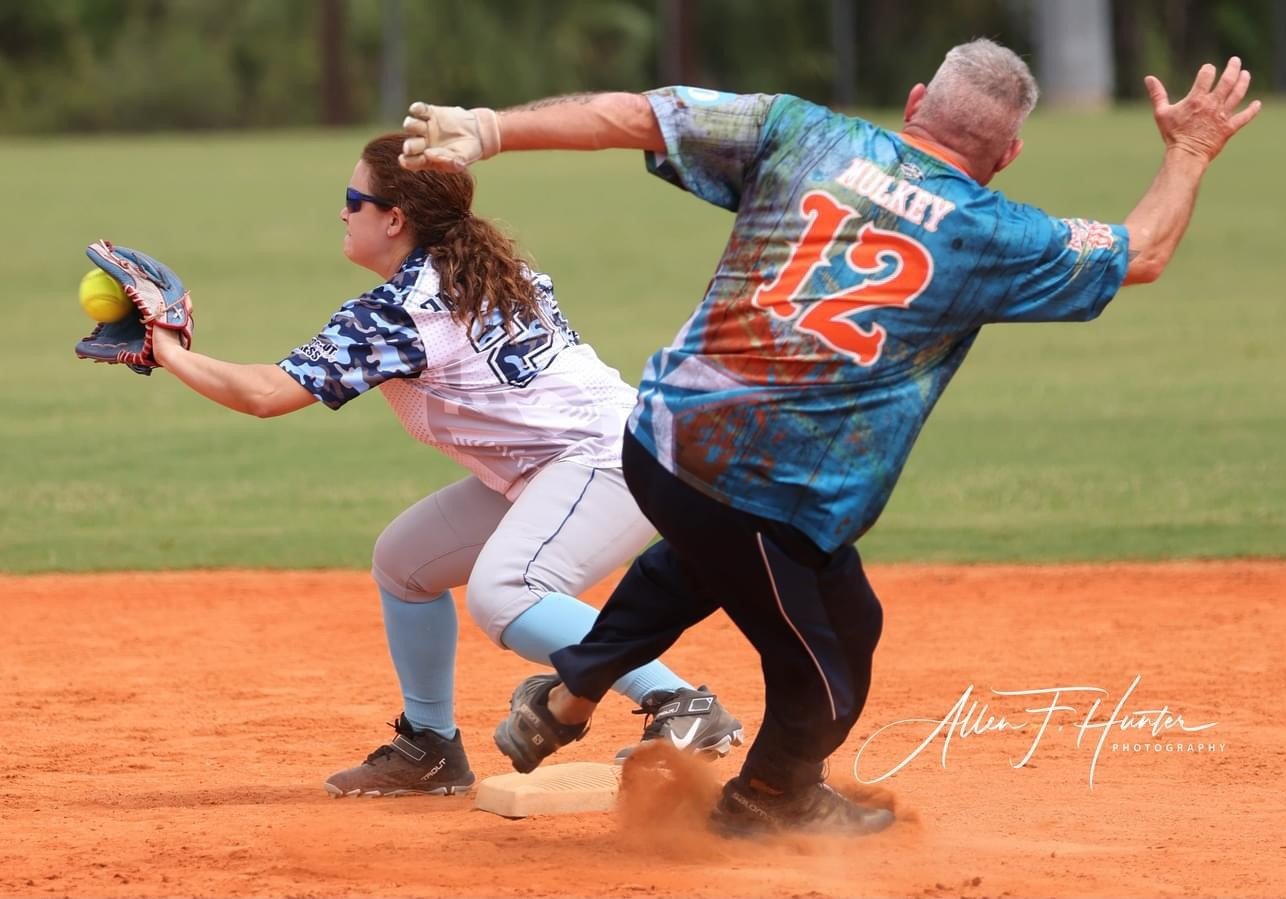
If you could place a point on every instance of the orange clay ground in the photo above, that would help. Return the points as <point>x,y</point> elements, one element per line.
<point>168,734</point>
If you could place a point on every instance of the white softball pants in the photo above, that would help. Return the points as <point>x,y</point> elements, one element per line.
<point>571,527</point>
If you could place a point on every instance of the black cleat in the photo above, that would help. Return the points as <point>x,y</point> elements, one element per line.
<point>531,732</point>
<point>743,811</point>
<point>690,721</point>
<point>415,763</point>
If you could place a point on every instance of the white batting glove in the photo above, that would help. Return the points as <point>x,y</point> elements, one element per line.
<point>448,138</point>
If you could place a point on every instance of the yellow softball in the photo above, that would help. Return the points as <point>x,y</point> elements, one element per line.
<point>102,298</point>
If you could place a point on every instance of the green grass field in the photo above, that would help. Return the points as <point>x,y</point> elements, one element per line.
<point>1155,432</point>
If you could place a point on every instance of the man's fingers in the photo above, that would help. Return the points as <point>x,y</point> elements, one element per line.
<point>443,161</point>
<point>419,162</point>
<point>431,159</point>
<point>1228,80</point>
<point>417,122</point>
<point>441,138</point>
<point>1156,91</point>
<point>1241,119</point>
<point>1239,89</point>
<point>1205,79</point>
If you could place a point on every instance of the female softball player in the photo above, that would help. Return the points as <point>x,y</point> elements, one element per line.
<point>471,351</point>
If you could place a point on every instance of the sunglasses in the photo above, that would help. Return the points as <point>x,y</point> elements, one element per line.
<point>354,199</point>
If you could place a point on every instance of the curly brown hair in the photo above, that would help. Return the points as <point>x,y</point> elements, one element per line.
<point>479,267</point>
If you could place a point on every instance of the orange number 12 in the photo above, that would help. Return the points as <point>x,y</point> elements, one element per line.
<point>892,270</point>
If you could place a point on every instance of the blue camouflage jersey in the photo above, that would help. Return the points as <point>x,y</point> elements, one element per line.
<point>858,273</point>
<point>502,403</point>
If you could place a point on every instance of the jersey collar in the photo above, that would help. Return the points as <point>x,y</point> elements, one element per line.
<point>937,151</point>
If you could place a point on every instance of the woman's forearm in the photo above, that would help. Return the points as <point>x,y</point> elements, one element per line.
<point>255,389</point>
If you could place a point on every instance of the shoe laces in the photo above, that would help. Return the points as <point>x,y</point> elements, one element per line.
<point>650,705</point>
<point>382,752</point>
<point>387,749</point>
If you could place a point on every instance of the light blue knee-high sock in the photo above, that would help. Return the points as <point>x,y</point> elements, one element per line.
<point>421,640</point>
<point>559,620</point>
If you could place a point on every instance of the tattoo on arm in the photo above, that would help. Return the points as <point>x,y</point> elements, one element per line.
<point>581,99</point>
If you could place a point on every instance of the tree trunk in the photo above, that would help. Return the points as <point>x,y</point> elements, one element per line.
<point>336,106</point>
<point>844,42</point>
<point>877,26</point>
<point>393,90</point>
<point>1127,48</point>
<point>1073,44</point>
<point>677,48</point>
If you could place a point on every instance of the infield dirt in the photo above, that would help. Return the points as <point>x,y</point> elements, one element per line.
<point>168,734</point>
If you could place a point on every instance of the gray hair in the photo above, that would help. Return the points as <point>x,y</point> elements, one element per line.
<point>978,99</point>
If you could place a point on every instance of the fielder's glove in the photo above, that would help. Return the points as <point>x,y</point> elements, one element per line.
<point>160,301</point>
<point>448,138</point>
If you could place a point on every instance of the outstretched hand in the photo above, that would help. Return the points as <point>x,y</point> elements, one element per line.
<point>448,138</point>
<point>1203,121</point>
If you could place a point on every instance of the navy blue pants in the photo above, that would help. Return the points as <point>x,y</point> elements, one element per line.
<point>811,615</point>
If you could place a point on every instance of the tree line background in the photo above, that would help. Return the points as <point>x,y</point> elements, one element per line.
<point>131,65</point>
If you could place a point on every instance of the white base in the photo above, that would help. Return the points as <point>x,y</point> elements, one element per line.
<point>551,790</point>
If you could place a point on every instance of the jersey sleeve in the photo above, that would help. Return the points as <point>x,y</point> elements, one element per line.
<point>366,343</point>
<point>1060,269</point>
<point>711,140</point>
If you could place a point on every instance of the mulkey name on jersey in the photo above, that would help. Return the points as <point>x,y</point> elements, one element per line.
<point>902,198</point>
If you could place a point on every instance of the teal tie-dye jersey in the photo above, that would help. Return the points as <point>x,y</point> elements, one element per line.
<point>859,270</point>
